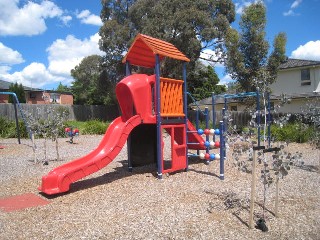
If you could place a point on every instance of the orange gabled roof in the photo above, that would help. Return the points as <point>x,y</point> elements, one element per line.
<point>144,48</point>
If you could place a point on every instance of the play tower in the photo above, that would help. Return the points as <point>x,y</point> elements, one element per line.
<point>168,106</point>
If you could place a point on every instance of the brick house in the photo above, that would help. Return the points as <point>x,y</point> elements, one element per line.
<point>38,96</point>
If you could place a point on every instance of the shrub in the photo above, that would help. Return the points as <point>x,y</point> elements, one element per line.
<point>293,132</point>
<point>95,127</point>
<point>8,128</point>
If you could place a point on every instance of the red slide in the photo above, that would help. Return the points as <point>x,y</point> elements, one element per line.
<point>59,179</point>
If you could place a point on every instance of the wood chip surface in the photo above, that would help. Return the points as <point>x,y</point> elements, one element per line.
<point>116,204</point>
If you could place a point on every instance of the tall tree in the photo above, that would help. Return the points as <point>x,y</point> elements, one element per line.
<point>89,86</point>
<point>18,89</point>
<point>190,25</point>
<point>248,62</point>
<point>203,81</point>
<point>62,88</point>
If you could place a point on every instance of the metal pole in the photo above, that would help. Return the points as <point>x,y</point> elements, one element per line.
<point>128,73</point>
<point>224,126</point>
<point>128,70</point>
<point>197,125</point>
<point>158,112</point>
<point>213,115</point>
<point>185,109</point>
<point>221,152</point>
<point>206,114</point>
<point>16,117</point>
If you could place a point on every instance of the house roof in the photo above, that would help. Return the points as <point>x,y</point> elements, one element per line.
<point>297,63</point>
<point>144,48</point>
<point>273,97</point>
<point>4,85</point>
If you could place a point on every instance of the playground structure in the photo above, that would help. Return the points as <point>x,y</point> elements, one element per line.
<point>16,104</point>
<point>224,124</point>
<point>150,106</point>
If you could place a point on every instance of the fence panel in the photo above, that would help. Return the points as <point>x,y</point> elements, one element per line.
<point>77,112</point>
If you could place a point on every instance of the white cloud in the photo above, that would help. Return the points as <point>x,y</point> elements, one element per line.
<point>9,56</point>
<point>34,75</point>
<point>225,80</point>
<point>66,20</point>
<point>65,54</point>
<point>296,3</point>
<point>308,51</point>
<point>4,70</point>
<point>291,11</point>
<point>86,17</point>
<point>210,55</point>
<point>241,5</point>
<point>28,19</point>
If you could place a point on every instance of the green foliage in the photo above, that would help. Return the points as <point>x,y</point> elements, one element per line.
<point>248,62</point>
<point>91,85</point>
<point>292,132</point>
<point>19,91</point>
<point>95,127</point>
<point>203,81</point>
<point>62,88</point>
<point>190,25</point>
<point>8,129</point>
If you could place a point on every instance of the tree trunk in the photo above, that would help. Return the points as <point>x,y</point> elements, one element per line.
<point>253,190</point>
<point>276,211</point>
<point>57,149</point>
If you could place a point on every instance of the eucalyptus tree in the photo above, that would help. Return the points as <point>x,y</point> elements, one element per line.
<point>191,26</point>
<point>90,85</point>
<point>247,59</point>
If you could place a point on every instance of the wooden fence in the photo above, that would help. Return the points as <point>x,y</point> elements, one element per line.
<point>76,112</point>
<point>109,113</point>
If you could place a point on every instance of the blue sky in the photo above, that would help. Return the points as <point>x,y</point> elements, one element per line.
<point>41,41</point>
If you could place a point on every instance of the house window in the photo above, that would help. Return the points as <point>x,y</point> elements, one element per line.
<point>32,95</point>
<point>54,98</point>
<point>234,108</point>
<point>305,77</point>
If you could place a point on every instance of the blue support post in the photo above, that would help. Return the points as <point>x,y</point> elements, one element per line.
<point>213,115</point>
<point>17,103</point>
<point>128,73</point>
<point>197,119</point>
<point>197,124</point>
<point>185,108</point>
<point>158,112</point>
<point>16,117</point>
<point>224,128</point>
<point>225,122</point>
<point>222,157</point>
<point>128,68</point>
<point>206,114</point>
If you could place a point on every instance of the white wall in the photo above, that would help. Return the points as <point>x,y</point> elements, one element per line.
<point>289,81</point>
